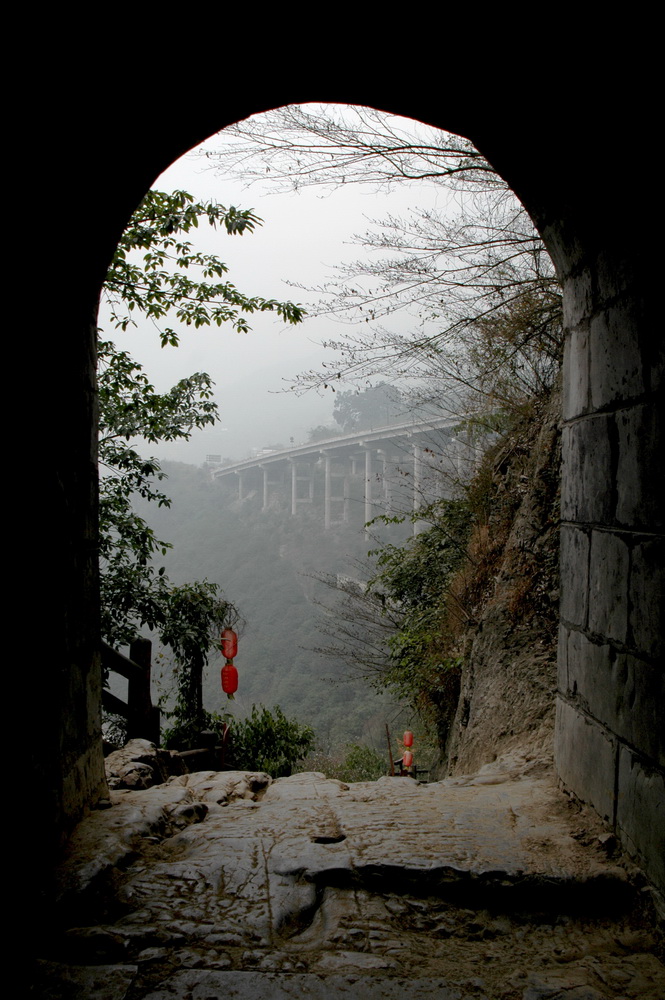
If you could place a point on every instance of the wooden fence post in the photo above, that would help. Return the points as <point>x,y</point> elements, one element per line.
<point>141,722</point>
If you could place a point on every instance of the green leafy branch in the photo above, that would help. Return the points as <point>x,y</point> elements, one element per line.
<point>153,284</point>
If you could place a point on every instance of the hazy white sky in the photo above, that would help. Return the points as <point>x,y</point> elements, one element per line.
<point>303,236</point>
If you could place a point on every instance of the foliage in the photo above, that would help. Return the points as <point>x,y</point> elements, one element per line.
<point>268,741</point>
<point>114,729</point>
<point>191,618</point>
<point>362,763</point>
<point>159,283</point>
<point>156,272</point>
<point>393,627</point>
<point>353,762</point>
<point>133,590</point>
<point>185,731</point>
<point>321,433</point>
<point>195,617</point>
<point>412,581</point>
<point>362,410</point>
<point>515,354</point>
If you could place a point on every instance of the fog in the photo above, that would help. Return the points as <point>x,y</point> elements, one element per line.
<point>303,236</point>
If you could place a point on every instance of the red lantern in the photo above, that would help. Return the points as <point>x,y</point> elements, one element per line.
<point>408,738</point>
<point>407,758</point>
<point>229,679</point>
<point>229,643</point>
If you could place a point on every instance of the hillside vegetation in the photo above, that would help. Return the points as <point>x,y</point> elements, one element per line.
<point>457,626</point>
<point>267,563</point>
<point>461,620</point>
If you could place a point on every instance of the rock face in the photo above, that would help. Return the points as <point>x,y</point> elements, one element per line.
<point>231,884</point>
<point>508,683</point>
<point>140,764</point>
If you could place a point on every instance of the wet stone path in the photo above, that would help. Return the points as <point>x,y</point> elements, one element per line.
<point>230,885</point>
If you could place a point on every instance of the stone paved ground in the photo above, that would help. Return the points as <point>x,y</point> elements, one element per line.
<point>230,885</point>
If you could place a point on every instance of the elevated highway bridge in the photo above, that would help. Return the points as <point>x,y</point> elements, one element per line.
<point>397,468</point>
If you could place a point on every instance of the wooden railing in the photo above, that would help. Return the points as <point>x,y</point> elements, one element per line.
<point>143,719</point>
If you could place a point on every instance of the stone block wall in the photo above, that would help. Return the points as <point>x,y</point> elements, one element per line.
<point>610,738</point>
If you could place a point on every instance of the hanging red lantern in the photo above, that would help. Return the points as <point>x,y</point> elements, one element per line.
<point>407,758</point>
<point>229,679</point>
<point>229,643</point>
<point>408,738</point>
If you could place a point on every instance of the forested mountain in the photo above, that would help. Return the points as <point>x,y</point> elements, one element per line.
<point>267,563</point>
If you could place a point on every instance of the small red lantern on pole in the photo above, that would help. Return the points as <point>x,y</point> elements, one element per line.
<point>229,679</point>
<point>407,756</point>
<point>229,643</point>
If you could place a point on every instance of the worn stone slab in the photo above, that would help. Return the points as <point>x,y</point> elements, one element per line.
<point>140,764</point>
<point>647,597</point>
<point>608,585</point>
<point>641,812</point>
<point>574,560</point>
<point>585,758</point>
<point>587,471</point>
<point>254,864</point>
<point>640,468</point>
<point>616,363</point>
<point>576,393</point>
<point>625,693</point>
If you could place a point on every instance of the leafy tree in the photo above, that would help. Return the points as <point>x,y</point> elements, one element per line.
<point>133,589</point>
<point>412,581</point>
<point>191,619</point>
<point>373,407</point>
<point>455,272</point>
<point>156,272</point>
<point>268,741</point>
<point>362,763</point>
<point>392,628</point>
<point>321,432</point>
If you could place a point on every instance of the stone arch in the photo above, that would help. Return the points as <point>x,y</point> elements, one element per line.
<point>610,718</point>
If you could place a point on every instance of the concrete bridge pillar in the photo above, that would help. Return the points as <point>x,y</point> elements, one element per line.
<point>265,487</point>
<point>294,487</point>
<point>346,510</point>
<point>417,484</point>
<point>267,483</point>
<point>327,492</point>
<point>368,485</point>
<point>385,481</point>
<point>296,478</point>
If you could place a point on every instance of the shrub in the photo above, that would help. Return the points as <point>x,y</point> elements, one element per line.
<point>185,733</point>
<point>359,763</point>
<point>268,741</point>
<point>362,763</point>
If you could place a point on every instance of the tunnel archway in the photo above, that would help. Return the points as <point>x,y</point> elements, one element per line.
<point>609,743</point>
